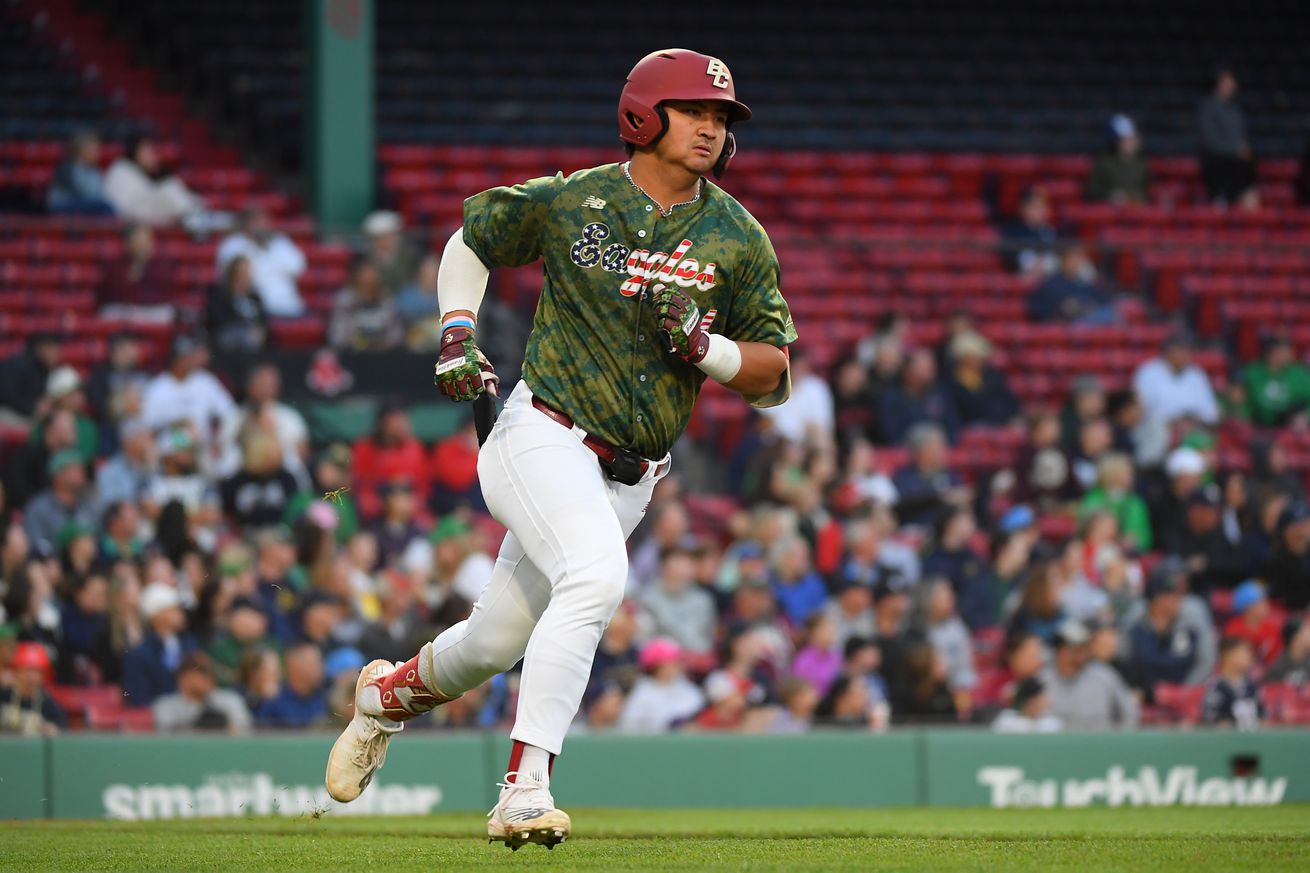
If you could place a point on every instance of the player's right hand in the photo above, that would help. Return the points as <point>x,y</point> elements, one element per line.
<point>462,371</point>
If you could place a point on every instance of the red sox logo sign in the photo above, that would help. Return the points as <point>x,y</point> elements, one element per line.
<point>640,265</point>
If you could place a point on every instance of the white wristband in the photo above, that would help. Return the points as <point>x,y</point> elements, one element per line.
<point>722,362</point>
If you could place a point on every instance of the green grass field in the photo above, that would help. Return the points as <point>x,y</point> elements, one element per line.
<point>1155,840</point>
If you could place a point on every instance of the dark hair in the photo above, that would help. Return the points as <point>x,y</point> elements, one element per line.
<point>1230,642</point>
<point>856,644</point>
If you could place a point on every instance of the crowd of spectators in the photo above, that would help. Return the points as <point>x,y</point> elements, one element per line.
<point>193,546</point>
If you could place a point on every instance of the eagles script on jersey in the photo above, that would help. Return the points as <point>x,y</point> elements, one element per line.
<point>603,241</point>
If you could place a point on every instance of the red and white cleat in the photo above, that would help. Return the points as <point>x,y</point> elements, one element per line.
<point>361,749</point>
<point>526,813</point>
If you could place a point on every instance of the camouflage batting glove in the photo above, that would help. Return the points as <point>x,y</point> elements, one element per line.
<point>678,318</point>
<point>463,372</point>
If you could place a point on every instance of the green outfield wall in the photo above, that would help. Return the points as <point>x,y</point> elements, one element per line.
<point>154,777</point>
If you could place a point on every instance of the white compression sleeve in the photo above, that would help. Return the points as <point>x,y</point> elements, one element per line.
<point>462,277</point>
<point>723,360</point>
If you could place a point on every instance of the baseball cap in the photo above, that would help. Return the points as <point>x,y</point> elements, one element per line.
<point>449,528</point>
<point>157,597</point>
<point>383,221</point>
<point>173,440</point>
<point>969,343</point>
<point>197,662</point>
<point>1294,513</point>
<point>1185,461</point>
<point>1071,632</point>
<point>658,651</point>
<point>338,454</point>
<point>1017,518</point>
<point>62,381</point>
<point>1026,690</point>
<point>31,656</point>
<point>720,686</point>
<point>1167,577</point>
<point>1205,496</point>
<point>72,529</point>
<point>246,603</point>
<point>1248,594</point>
<point>61,460</point>
<point>1123,126</point>
<point>343,660</point>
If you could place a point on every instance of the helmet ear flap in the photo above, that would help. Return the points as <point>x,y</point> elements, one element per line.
<point>729,149</point>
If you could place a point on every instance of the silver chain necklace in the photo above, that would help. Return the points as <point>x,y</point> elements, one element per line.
<point>700,186</point>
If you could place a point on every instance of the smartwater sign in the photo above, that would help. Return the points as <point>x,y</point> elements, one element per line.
<point>1146,769</point>
<point>162,777</point>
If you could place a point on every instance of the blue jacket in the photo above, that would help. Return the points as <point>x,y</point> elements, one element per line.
<point>1156,657</point>
<point>145,676</point>
<point>976,595</point>
<point>802,598</point>
<point>289,709</point>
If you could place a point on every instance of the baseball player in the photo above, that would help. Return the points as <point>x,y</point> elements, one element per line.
<point>655,279</point>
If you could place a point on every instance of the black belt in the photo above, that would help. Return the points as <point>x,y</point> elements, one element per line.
<point>621,465</point>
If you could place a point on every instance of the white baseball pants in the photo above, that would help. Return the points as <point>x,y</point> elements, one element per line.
<point>559,577</point>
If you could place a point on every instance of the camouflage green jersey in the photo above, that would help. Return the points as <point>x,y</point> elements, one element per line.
<point>594,351</point>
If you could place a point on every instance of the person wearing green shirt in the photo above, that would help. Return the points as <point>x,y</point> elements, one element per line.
<point>1114,493</point>
<point>1277,385</point>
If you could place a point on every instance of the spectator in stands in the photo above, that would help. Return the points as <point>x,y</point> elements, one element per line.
<point>302,702</point>
<point>616,657</point>
<point>807,416</point>
<point>893,634</point>
<point>397,526</point>
<point>363,317</point>
<point>198,704</point>
<point>84,629</point>
<point>121,539</point>
<point>1227,163</point>
<point>115,386</point>
<point>64,392</point>
<point>862,661</point>
<point>142,189</point>
<point>188,392</point>
<point>664,697</point>
<point>25,707</point>
<point>1277,385</point>
<point>1073,295</point>
<point>1254,621</point>
<point>1288,571</point>
<point>798,587</point>
<point>389,252</point>
<point>331,476</point>
<point>846,705</point>
<point>602,705</point>
<point>234,314</point>
<point>979,392</point>
<point>851,611</point>
<point>78,186</point>
<point>399,626</point>
<point>23,379</point>
<point>926,486</point>
<point>150,668</point>
<point>179,480</point>
<point>872,555</point>
<point>1041,475</point>
<point>1114,493</point>
<point>667,524</point>
<point>920,398</point>
<point>244,630</point>
<point>799,701</point>
<point>1232,698</point>
<point>1087,402</point>
<point>275,261</point>
<point>1119,174</point>
<point>263,404</point>
<point>1036,607</point>
<point>64,501</point>
<point>925,694</point>
<point>137,287</point>
<point>954,559</point>
<point>1025,658</point>
<point>738,685</point>
<point>950,637</point>
<point>854,404</point>
<point>454,471</point>
<point>819,659</point>
<point>1213,560</point>
<point>1086,694</point>
<point>1029,711</point>
<point>455,565</point>
<point>1170,387</point>
<point>1161,647</point>
<point>390,452</point>
<point>677,608</point>
<point>1031,238</point>
<point>1293,665</point>
<point>416,304</point>
<point>256,496</point>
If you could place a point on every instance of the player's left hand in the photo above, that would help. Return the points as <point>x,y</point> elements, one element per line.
<point>463,371</point>
<point>678,320</point>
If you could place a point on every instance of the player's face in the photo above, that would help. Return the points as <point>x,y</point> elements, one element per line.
<point>697,131</point>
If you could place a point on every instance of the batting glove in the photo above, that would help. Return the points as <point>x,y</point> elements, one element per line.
<point>678,318</point>
<point>463,372</point>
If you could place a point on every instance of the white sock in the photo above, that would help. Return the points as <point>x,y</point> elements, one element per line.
<point>535,764</point>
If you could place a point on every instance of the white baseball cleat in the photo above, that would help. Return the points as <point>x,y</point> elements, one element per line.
<point>362,747</point>
<point>526,813</point>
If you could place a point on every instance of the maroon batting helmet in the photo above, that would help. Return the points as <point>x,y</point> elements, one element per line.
<point>676,74</point>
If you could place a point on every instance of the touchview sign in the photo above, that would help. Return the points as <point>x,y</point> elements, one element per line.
<point>243,794</point>
<point>1176,786</point>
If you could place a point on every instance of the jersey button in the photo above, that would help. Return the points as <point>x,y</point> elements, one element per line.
<point>641,336</point>
<point>649,207</point>
<point>642,377</point>
<point>639,418</point>
<point>641,233</point>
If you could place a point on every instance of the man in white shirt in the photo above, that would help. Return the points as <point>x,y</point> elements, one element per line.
<point>187,392</point>
<point>1170,387</point>
<point>263,388</point>
<point>275,261</point>
<point>807,416</point>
